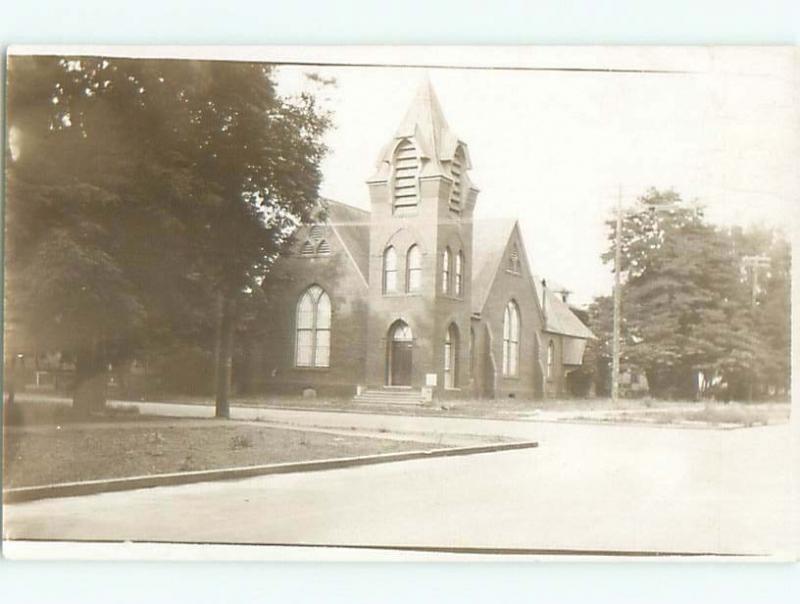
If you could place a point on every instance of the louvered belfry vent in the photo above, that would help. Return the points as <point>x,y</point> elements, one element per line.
<point>456,171</point>
<point>406,170</point>
<point>316,244</point>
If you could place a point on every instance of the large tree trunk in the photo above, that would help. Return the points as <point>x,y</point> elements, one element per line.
<point>223,356</point>
<point>90,381</point>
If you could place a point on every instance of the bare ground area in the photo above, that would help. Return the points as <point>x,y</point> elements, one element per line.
<point>56,453</point>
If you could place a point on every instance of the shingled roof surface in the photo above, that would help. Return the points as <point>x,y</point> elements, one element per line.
<point>489,240</point>
<point>352,224</point>
<point>559,317</point>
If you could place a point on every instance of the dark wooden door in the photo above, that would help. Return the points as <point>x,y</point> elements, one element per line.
<point>401,364</point>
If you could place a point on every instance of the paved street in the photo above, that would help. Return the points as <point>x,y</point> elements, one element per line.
<point>587,487</point>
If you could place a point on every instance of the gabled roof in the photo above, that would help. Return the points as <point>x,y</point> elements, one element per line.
<point>352,226</point>
<point>559,318</point>
<point>489,241</point>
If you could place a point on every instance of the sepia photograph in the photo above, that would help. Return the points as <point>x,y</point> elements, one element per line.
<point>400,302</point>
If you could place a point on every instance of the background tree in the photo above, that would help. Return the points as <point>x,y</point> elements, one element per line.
<point>149,198</point>
<point>687,305</point>
<point>597,356</point>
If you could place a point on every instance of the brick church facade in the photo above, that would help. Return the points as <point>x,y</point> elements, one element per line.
<point>414,298</point>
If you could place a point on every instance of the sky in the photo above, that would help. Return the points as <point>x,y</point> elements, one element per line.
<point>556,134</point>
<point>555,148</point>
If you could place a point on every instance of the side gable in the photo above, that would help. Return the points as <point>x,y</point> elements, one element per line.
<point>345,232</point>
<point>499,248</point>
<point>496,243</point>
<point>490,241</point>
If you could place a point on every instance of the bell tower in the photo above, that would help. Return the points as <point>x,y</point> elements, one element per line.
<point>420,259</point>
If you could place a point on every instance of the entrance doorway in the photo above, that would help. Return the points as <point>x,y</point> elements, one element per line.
<point>399,355</point>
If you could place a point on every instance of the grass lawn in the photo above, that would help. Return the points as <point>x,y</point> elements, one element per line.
<point>47,453</point>
<point>645,411</point>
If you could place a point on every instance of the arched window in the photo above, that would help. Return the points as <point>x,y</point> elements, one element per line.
<point>456,172</point>
<point>451,356</point>
<point>324,247</point>
<point>389,270</point>
<point>401,332</point>
<point>413,269</point>
<point>459,273</point>
<point>406,169</point>
<point>511,339</point>
<point>446,271</point>
<point>307,249</point>
<point>313,342</point>
<point>551,358</point>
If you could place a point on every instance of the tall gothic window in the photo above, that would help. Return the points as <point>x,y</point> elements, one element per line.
<point>413,269</point>
<point>459,273</point>
<point>551,359</point>
<point>313,342</point>
<point>456,172</point>
<point>446,271</point>
<point>406,169</point>
<point>389,270</point>
<point>511,339</point>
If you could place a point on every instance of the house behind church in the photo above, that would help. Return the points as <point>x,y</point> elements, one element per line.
<point>414,298</point>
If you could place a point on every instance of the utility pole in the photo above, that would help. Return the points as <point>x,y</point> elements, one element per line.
<point>617,298</point>
<point>754,264</point>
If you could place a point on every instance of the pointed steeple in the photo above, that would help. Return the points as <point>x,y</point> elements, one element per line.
<point>425,120</point>
<point>425,124</point>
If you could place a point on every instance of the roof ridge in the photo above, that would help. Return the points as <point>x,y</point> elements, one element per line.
<point>328,200</point>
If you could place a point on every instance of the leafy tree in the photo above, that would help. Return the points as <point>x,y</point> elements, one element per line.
<point>149,199</point>
<point>597,356</point>
<point>687,305</point>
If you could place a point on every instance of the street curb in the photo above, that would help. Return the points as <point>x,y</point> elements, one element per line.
<point>91,487</point>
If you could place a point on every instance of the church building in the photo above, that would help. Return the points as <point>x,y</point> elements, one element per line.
<point>414,300</point>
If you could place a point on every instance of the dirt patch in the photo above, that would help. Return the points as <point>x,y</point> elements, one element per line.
<point>54,454</point>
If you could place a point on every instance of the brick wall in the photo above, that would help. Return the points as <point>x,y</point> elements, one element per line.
<point>274,355</point>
